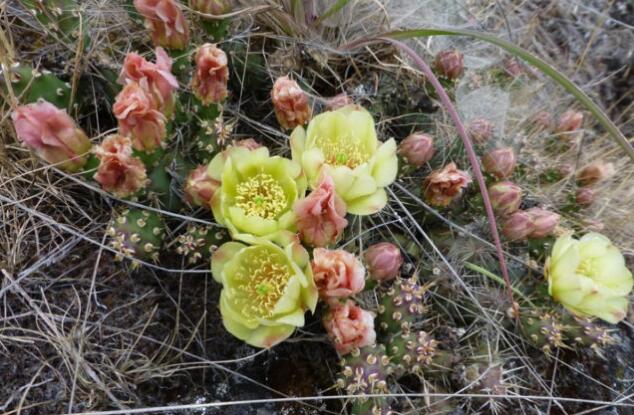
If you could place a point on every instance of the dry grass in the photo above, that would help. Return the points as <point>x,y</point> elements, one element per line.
<point>79,332</point>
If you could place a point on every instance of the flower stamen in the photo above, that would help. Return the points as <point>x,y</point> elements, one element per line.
<point>261,196</point>
<point>342,151</point>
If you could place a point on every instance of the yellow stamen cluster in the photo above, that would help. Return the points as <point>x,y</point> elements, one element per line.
<point>261,283</point>
<point>342,151</point>
<point>587,267</point>
<point>262,196</point>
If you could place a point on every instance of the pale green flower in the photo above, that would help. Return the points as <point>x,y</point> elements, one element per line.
<point>266,289</point>
<point>257,191</point>
<point>343,144</point>
<point>588,276</point>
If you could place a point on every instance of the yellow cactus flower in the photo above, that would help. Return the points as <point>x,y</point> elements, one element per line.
<point>344,144</point>
<point>588,276</point>
<point>257,191</point>
<point>266,289</point>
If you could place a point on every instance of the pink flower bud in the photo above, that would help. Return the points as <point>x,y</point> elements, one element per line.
<point>166,21</point>
<point>338,101</point>
<point>513,67</point>
<point>337,273</point>
<point>518,226</point>
<point>570,121</point>
<point>450,63</point>
<point>443,186</point>
<point>384,261</point>
<point>594,173</point>
<point>506,197</point>
<point>211,76</point>
<point>215,7</point>
<point>200,188</point>
<point>417,149</point>
<point>565,170</point>
<point>500,162</point>
<point>290,102</point>
<point>543,120</point>
<point>480,130</point>
<point>544,222</point>
<point>321,216</point>
<point>585,196</point>
<point>158,76</point>
<point>52,134</point>
<point>137,111</point>
<point>248,143</point>
<point>349,327</point>
<point>119,171</point>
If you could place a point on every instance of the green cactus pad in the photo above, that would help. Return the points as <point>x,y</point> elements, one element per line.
<point>198,243</point>
<point>411,352</point>
<point>401,306</point>
<point>137,233</point>
<point>30,85</point>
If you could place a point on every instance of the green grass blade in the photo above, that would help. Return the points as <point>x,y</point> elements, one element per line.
<point>340,4</point>
<point>540,64</point>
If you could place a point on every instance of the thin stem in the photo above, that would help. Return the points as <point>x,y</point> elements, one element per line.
<point>473,159</point>
<point>499,280</point>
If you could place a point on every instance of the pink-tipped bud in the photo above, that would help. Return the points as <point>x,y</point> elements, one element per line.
<point>513,67</point>
<point>585,196</point>
<point>450,63</point>
<point>290,102</point>
<point>543,120</point>
<point>165,19</point>
<point>211,75</point>
<point>383,261</point>
<point>200,188</point>
<point>506,197</point>
<point>594,173</point>
<point>565,170</point>
<point>349,326</point>
<point>500,162</point>
<point>338,101</point>
<point>52,134</point>
<point>518,226</point>
<point>570,121</point>
<point>480,130</point>
<point>214,7</point>
<point>417,149</point>
<point>443,186</point>
<point>137,110</point>
<point>119,171</point>
<point>248,143</point>
<point>544,222</point>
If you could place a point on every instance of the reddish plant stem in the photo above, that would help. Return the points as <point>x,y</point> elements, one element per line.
<point>475,164</point>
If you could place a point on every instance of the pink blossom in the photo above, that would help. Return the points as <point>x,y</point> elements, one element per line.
<point>200,188</point>
<point>337,273</point>
<point>384,261</point>
<point>212,74</point>
<point>450,63</point>
<point>443,186</point>
<point>349,327</point>
<point>321,216</point>
<point>290,102</point>
<point>518,226</point>
<point>417,149</point>
<point>480,130</point>
<point>166,21</point>
<point>137,111</point>
<point>52,134</point>
<point>159,77</point>
<point>585,196</point>
<point>119,171</point>
<point>506,197</point>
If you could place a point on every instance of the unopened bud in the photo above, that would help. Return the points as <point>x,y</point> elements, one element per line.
<point>417,149</point>
<point>506,198</point>
<point>544,222</point>
<point>585,196</point>
<point>500,162</point>
<point>480,130</point>
<point>383,261</point>
<point>570,121</point>
<point>450,63</point>
<point>518,226</point>
<point>594,173</point>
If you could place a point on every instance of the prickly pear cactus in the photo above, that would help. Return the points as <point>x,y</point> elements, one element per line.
<point>411,352</point>
<point>30,85</point>
<point>365,371</point>
<point>585,332</point>
<point>544,329</point>
<point>137,233</point>
<point>401,306</point>
<point>199,242</point>
<point>62,17</point>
